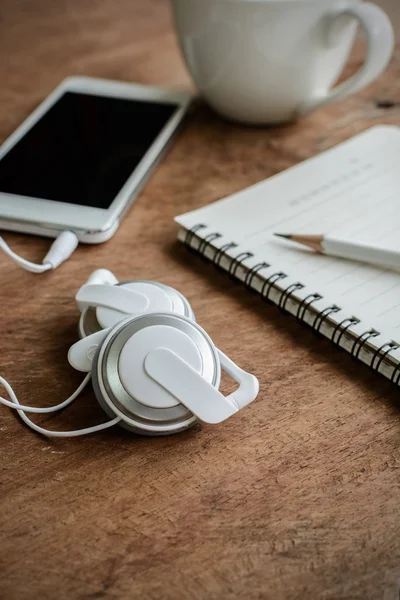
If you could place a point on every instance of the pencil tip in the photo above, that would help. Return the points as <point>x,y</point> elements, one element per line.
<point>283,235</point>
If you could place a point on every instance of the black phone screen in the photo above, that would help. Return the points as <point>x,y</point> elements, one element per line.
<point>83,150</point>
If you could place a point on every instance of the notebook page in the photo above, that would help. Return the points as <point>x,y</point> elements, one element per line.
<point>351,191</point>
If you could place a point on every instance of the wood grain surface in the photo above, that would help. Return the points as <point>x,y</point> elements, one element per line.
<point>296,497</point>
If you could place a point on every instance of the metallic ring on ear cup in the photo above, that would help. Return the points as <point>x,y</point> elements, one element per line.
<point>89,324</point>
<point>114,398</point>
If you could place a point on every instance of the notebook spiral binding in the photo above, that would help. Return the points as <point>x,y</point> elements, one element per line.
<point>339,330</point>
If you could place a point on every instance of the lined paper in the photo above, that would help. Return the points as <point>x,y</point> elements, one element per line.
<point>352,192</point>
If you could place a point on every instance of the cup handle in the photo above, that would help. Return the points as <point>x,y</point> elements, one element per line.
<point>380,39</point>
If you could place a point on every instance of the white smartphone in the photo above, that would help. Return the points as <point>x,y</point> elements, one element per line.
<point>80,159</point>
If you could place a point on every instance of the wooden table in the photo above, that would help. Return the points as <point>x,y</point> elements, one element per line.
<point>295,498</point>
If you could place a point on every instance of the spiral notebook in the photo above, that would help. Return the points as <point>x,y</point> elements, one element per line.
<point>351,191</point>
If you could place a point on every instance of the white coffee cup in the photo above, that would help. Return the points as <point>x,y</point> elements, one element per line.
<point>269,61</point>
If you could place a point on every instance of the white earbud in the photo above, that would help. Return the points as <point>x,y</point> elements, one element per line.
<point>102,276</point>
<point>146,369</point>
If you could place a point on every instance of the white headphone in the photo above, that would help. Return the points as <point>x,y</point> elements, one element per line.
<point>159,373</point>
<point>155,371</point>
<point>103,301</point>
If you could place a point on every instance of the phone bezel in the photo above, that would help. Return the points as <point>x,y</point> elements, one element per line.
<point>21,212</point>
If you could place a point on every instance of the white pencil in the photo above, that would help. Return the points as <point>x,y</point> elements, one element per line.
<point>352,250</point>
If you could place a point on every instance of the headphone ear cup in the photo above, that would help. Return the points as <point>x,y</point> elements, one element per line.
<point>124,388</point>
<point>88,322</point>
<point>159,373</point>
<point>99,394</point>
<point>165,299</point>
<point>181,305</point>
<point>155,297</point>
<point>108,411</point>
